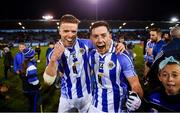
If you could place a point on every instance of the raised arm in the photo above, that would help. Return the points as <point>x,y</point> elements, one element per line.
<point>51,70</point>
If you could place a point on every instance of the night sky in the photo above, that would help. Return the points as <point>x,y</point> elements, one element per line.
<point>156,10</point>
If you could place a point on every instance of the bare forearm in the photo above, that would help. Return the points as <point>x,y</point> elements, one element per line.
<point>135,85</point>
<point>51,69</point>
<point>138,89</point>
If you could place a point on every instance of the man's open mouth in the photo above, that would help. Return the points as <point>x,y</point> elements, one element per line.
<point>100,46</point>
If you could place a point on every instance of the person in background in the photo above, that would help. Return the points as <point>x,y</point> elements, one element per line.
<point>1,53</point>
<point>166,37</point>
<point>19,58</point>
<point>8,62</point>
<point>167,97</point>
<point>155,36</point>
<point>171,49</point>
<point>30,81</point>
<point>38,52</point>
<point>148,60</point>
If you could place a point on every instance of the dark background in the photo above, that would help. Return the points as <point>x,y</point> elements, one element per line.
<point>156,10</point>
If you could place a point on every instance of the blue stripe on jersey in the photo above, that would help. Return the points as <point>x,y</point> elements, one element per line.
<point>67,72</point>
<point>32,72</point>
<point>96,96</point>
<point>32,79</point>
<point>104,100</point>
<point>79,87</point>
<point>94,86</point>
<point>85,66</point>
<point>124,83</point>
<point>116,91</point>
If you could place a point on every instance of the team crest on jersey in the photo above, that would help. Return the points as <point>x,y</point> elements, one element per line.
<point>111,65</point>
<point>82,51</point>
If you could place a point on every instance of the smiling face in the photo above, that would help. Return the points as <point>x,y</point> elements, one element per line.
<point>21,47</point>
<point>170,78</point>
<point>68,32</point>
<point>101,39</point>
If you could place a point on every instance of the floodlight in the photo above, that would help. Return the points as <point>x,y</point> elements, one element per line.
<point>152,24</point>
<point>20,23</point>
<point>174,19</point>
<point>47,17</point>
<point>124,23</point>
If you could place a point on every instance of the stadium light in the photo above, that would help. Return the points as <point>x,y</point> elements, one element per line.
<point>124,23</point>
<point>23,27</point>
<point>120,27</point>
<point>47,17</point>
<point>152,24</point>
<point>57,23</point>
<point>174,19</point>
<point>20,23</point>
<point>146,27</point>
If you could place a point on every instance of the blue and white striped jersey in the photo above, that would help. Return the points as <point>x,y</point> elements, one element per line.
<point>110,72</point>
<point>149,58</point>
<point>75,82</point>
<point>31,73</point>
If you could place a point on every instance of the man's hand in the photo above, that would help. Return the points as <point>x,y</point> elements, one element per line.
<point>120,48</point>
<point>58,51</point>
<point>149,51</point>
<point>133,101</point>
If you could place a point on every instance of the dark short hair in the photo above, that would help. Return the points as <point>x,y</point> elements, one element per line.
<point>98,24</point>
<point>68,18</point>
<point>22,43</point>
<point>156,29</point>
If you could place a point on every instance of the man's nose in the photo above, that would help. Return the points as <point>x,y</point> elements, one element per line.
<point>71,34</point>
<point>99,38</point>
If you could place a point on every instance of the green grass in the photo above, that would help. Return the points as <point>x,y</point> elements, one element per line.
<point>139,60</point>
<point>50,95</point>
<point>17,101</point>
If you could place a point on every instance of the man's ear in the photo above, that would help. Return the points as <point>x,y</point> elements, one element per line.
<point>110,35</point>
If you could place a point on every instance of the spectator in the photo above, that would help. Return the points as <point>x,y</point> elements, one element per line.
<point>30,79</point>
<point>8,62</point>
<point>166,37</point>
<point>171,49</point>
<point>148,59</point>
<point>19,59</point>
<point>1,53</point>
<point>38,52</point>
<point>167,97</point>
<point>155,36</point>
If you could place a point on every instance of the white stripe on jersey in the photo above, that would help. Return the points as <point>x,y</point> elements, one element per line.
<point>32,67</point>
<point>108,81</point>
<point>79,51</point>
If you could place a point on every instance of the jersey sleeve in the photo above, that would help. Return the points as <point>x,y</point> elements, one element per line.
<point>126,65</point>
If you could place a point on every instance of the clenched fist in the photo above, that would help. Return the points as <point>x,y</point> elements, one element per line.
<point>58,51</point>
